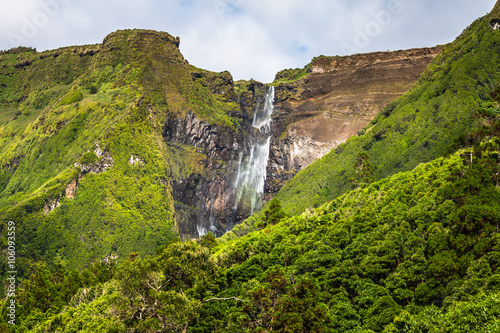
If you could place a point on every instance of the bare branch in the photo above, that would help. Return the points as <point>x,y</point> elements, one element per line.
<point>185,327</point>
<point>224,299</point>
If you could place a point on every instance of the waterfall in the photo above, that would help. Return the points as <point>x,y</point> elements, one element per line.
<point>252,171</point>
<point>202,231</point>
<point>262,120</point>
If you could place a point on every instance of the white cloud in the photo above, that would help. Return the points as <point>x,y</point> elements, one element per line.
<point>13,11</point>
<point>244,46</point>
<point>250,38</point>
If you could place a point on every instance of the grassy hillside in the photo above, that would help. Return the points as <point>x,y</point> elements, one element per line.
<point>425,123</point>
<point>416,252</point>
<point>83,165</point>
<point>420,241</point>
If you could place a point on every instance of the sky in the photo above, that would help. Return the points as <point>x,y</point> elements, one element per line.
<point>250,38</point>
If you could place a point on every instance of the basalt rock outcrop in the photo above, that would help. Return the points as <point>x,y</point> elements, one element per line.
<point>103,162</point>
<point>199,196</point>
<point>206,158</point>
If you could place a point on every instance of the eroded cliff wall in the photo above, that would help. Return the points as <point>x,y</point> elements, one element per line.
<point>333,100</point>
<point>205,157</point>
<point>336,99</point>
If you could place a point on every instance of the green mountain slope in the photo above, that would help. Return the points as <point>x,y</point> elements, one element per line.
<point>416,252</point>
<point>425,123</point>
<point>83,165</point>
<point>419,238</point>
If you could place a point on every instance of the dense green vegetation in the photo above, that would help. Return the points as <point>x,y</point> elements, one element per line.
<point>51,126</point>
<point>294,74</point>
<point>418,251</point>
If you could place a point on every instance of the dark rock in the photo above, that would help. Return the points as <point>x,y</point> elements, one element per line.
<point>495,24</point>
<point>23,64</point>
<point>205,201</point>
<point>13,164</point>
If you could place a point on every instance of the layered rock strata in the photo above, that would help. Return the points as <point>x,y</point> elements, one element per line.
<point>338,98</point>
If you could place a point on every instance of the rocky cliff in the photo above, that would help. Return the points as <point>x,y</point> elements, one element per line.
<point>334,98</point>
<point>337,97</point>
<point>205,157</point>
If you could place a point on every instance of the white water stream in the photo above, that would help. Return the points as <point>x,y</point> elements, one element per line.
<point>252,171</point>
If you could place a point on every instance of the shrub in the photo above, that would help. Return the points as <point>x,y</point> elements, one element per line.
<point>71,97</point>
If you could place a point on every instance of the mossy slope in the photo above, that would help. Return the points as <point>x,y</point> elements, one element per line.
<point>59,107</point>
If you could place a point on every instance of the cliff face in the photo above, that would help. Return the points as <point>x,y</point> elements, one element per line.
<point>338,97</point>
<point>203,198</point>
<point>174,133</point>
<point>205,158</point>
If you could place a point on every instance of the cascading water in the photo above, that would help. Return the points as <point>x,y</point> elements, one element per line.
<point>262,120</point>
<point>202,231</point>
<point>252,171</point>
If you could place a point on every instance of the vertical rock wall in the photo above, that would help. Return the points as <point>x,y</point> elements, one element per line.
<point>204,187</point>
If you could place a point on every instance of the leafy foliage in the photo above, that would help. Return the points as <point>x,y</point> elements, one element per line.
<point>363,170</point>
<point>164,293</point>
<point>417,239</point>
<point>418,251</point>
<point>415,251</point>
<point>273,214</point>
